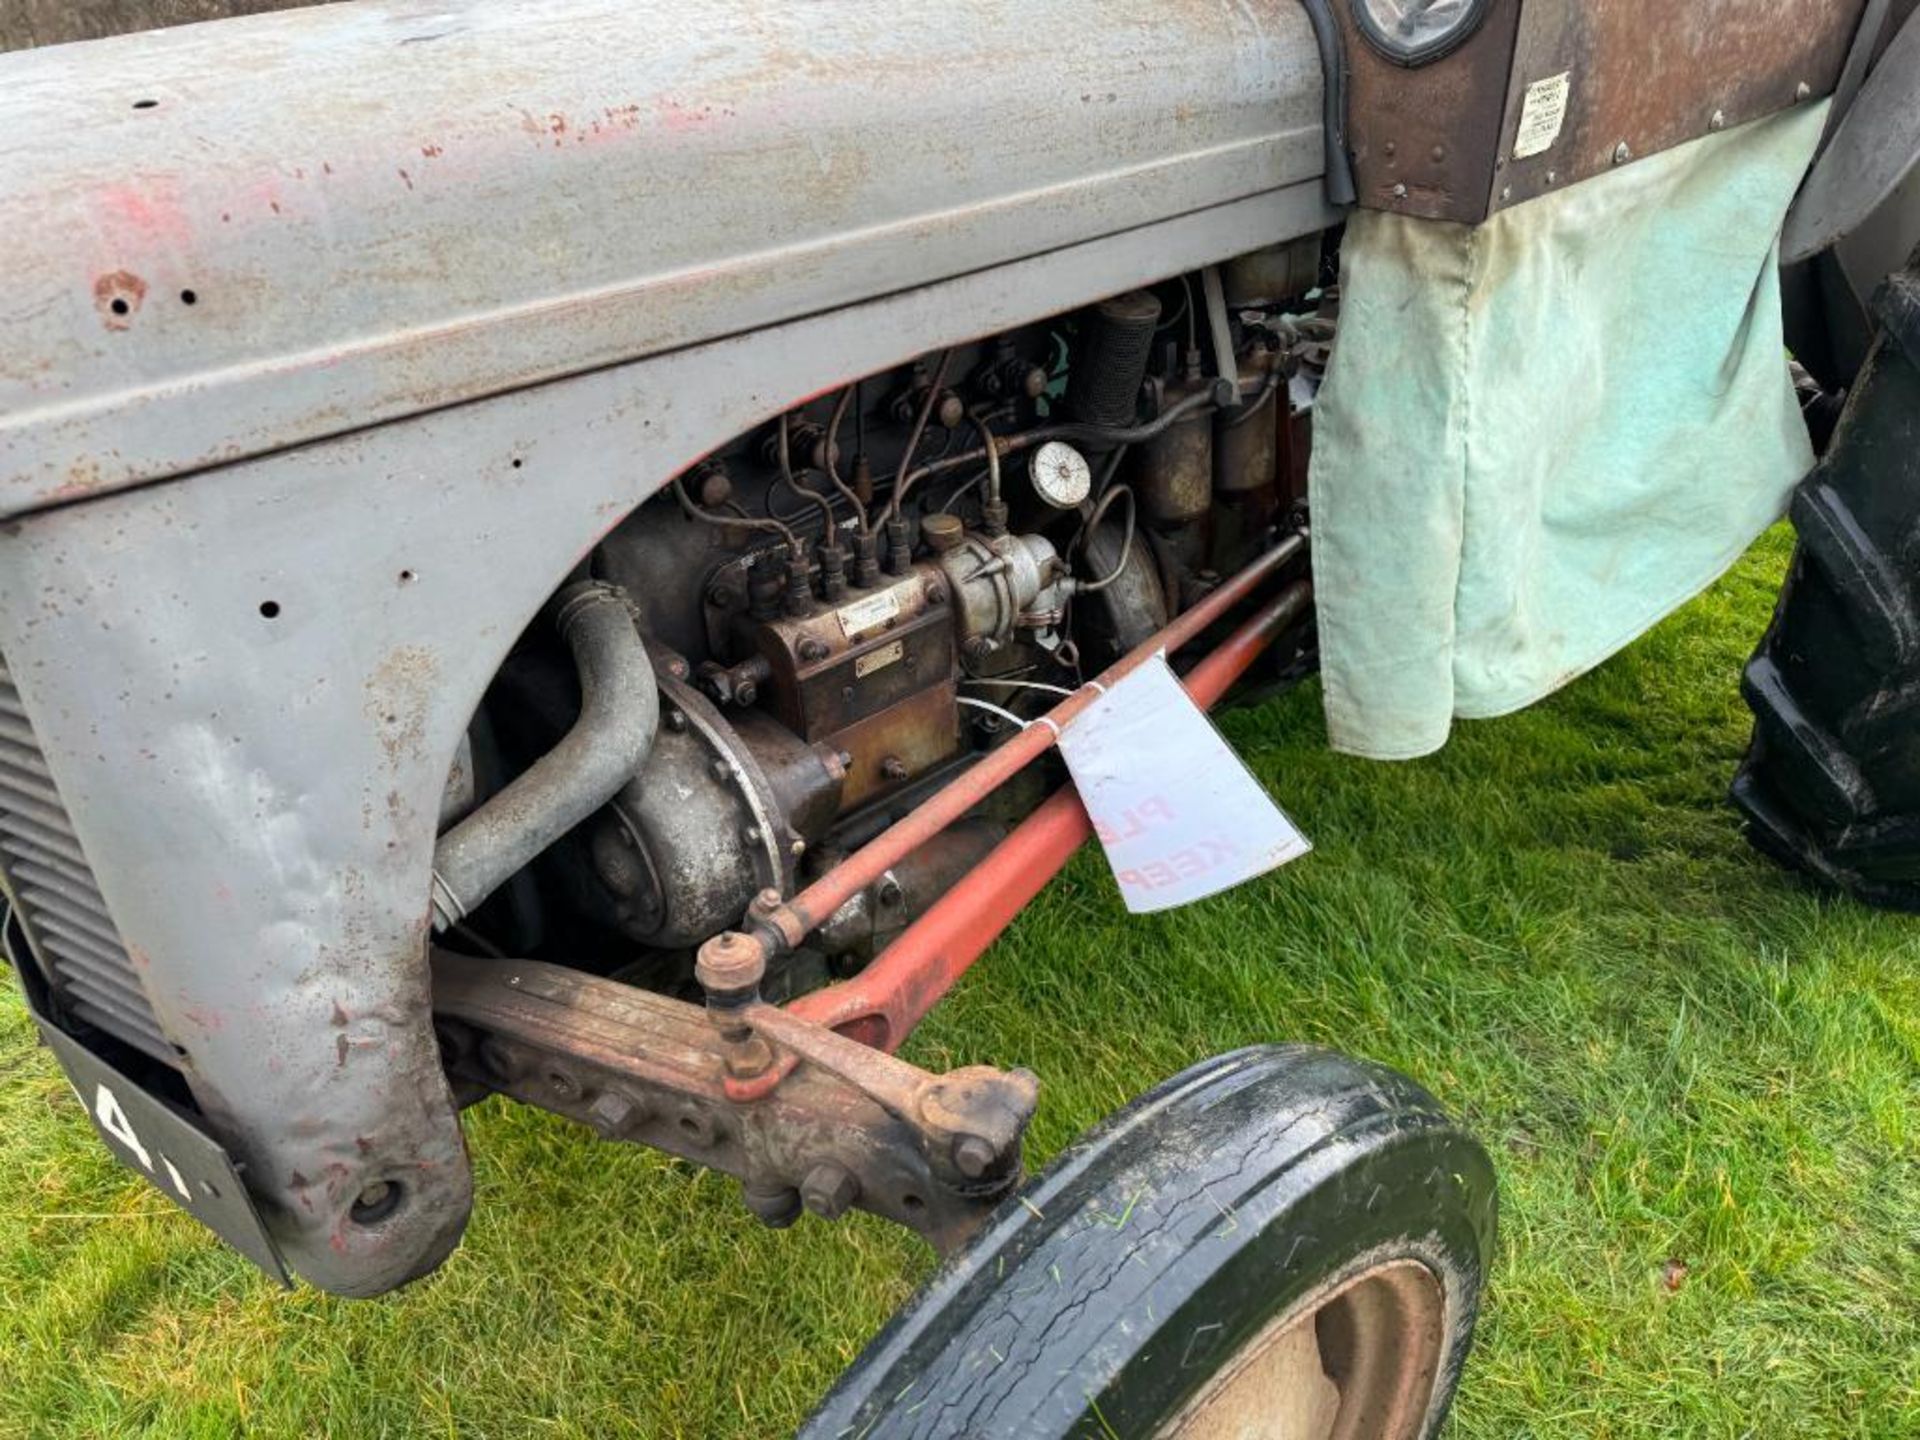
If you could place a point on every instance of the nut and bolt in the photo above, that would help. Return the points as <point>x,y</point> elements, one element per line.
<point>1719,120</point>
<point>676,721</point>
<point>721,597</point>
<point>563,1085</point>
<point>828,1191</point>
<point>973,1156</point>
<point>890,893</point>
<point>720,771</point>
<point>894,768</point>
<point>1622,153</point>
<point>613,1115</point>
<point>813,649</point>
<point>1803,91</point>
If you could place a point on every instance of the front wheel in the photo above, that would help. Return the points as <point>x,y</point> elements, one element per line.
<point>1280,1243</point>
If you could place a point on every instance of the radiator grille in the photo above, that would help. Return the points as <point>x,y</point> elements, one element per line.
<point>55,897</point>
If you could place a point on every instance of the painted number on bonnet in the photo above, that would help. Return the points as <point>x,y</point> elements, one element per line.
<point>113,1120</point>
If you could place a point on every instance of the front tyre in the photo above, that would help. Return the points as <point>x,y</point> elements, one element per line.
<point>1280,1243</point>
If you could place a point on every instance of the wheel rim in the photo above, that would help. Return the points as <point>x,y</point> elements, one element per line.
<point>1358,1358</point>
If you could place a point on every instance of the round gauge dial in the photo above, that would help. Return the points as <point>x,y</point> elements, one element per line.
<point>1413,32</point>
<point>1061,475</point>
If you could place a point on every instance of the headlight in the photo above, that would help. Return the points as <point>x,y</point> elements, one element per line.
<point>1413,32</point>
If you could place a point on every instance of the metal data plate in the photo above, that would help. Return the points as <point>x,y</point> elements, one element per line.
<point>146,1134</point>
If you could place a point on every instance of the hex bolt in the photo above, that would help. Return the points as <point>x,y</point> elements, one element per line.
<point>1400,192</point>
<point>1622,153</point>
<point>721,597</point>
<point>894,768</point>
<point>813,649</point>
<point>720,771</point>
<point>797,848</point>
<point>973,1156</point>
<point>751,835</point>
<point>890,892</point>
<point>563,1085</point>
<point>677,721</point>
<point>1719,120</point>
<point>613,1115</point>
<point>1803,91</point>
<point>829,1190</point>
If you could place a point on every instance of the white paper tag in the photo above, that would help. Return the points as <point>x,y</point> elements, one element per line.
<point>1180,816</point>
<point>1542,114</point>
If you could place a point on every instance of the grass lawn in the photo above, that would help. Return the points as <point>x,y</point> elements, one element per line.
<point>1678,1056</point>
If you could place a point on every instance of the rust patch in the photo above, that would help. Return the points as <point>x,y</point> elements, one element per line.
<point>398,696</point>
<point>118,298</point>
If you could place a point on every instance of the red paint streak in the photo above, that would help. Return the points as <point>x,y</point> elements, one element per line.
<point>680,118</point>
<point>143,217</point>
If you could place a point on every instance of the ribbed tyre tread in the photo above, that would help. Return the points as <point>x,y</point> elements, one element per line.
<point>1831,784</point>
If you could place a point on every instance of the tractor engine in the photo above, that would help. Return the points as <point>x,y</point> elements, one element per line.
<point>845,607</point>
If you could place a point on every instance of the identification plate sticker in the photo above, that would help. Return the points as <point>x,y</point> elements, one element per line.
<point>1178,813</point>
<point>869,614</point>
<point>1542,114</point>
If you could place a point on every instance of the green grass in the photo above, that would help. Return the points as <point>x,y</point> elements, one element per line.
<point>1674,1052</point>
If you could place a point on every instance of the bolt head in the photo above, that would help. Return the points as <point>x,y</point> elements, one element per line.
<point>1400,192</point>
<point>1719,120</point>
<point>1622,153</point>
<point>612,1114</point>
<point>1803,91</point>
<point>973,1157</point>
<point>828,1191</point>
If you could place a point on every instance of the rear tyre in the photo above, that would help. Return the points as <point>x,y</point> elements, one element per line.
<point>1280,1243</point>
<point>1831,784</point>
